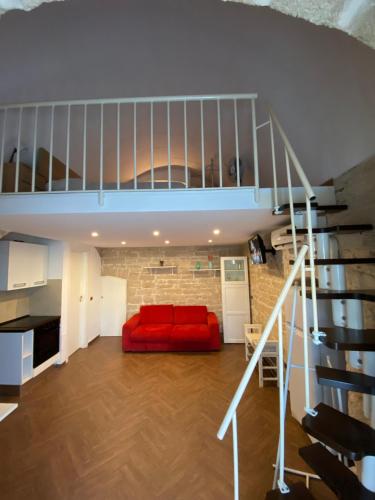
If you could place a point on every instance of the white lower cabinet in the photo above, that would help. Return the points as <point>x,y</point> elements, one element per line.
<point>16,357</point>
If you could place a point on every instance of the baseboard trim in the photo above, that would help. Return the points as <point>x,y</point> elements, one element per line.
<point>51,361</point>
<point>10,390</point>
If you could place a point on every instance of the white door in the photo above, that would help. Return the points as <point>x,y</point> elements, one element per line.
<point>75,309</point>
<point>235,297</point>
<point>113,305</point>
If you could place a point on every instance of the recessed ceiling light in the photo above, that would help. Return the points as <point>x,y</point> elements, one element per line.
<point>156,233</point>
<point>209,241</point>
<point>216,231</point>
<point>123,243</point>
<point>167,242</point>
<point>94,234</point>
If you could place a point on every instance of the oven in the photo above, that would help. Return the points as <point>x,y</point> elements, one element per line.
<point>46,341</point>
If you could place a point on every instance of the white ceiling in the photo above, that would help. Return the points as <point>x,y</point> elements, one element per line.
<point>181,228</point>
<point>355,17</point>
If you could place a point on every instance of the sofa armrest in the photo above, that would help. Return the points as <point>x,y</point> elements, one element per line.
<point>131,324</point>
<point>212,321</point>
<point>213,325</point>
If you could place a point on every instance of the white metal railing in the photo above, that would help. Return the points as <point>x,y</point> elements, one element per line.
<point>128,143</point>
<point>299,268</point>
<point>231,415</point>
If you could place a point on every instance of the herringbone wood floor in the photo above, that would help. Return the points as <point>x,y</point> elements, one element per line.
<point>114,426</point>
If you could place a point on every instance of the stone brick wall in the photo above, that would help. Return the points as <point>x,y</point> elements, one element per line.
<point>266,282</point>
<point>183,287</point>
<point>356,189</point>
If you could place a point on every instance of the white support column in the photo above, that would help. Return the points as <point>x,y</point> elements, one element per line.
<point>323,252</point>
<point>367,473</point>
<point>354,319</point>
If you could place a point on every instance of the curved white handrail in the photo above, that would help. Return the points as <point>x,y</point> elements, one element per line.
<point>260,346</point>
<point>297,165</point>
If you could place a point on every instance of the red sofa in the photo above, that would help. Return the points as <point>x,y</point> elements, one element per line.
<point>171,328</point>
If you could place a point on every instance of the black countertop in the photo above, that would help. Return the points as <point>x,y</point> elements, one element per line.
<point>26,323</point>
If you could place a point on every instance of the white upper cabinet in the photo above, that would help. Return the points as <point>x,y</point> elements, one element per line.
<point>22,265</point>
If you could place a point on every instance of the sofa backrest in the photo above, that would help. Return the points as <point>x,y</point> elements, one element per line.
<point>156,314</point>
<point>190,315</point>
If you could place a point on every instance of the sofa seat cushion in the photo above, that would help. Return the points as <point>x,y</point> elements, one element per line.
<point>190,333</point>
<point>152,333</point>
<point>190,315</point>
<point>156,314</point>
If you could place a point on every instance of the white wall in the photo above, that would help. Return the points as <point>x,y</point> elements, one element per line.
<point>90,287</point>
<point>320,81</point>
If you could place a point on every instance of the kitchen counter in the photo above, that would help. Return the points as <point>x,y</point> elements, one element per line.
<point>26,323</point>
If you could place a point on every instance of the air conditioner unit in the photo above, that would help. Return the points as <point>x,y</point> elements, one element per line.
<point>281,240</point>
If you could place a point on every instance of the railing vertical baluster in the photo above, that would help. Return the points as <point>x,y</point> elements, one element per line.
<point>169,143</point>
<point>287,374</point>
<point>281,482</point>
<point>135,144</point>
<point>67,150</point>
<point>51,148</point>
<point>255,144</point>
<point>152,144</point>
<point>118,147</point>
<point>84,158</point>
<point>291,203</point>
<point>3,149</point>
<point>101,145</point>
<point>236,142</point>
<point>185,147</point>
<point>235,458</point>
<point>33,172</point>
<point>219,143</point>
<point>275,192</point>
<point>16,181</point>
<point>202,147</point>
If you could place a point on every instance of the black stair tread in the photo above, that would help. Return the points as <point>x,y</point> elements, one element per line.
<point>344,261</point>
<point>348,339</point>
<point>341,480</point>
<point>343,433</point>
<point>325,294</point>
<point>343,379</point>
<point>300,207</point>
<point>340,228</point>
<point>297,490</point>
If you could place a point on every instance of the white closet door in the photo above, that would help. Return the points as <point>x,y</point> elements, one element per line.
<point>235,297</point>
<point>75,310</point>
<point>113,305</point>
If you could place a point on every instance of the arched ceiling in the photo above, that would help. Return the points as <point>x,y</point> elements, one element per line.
<point>355,17</point>
<point>6,5</point>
